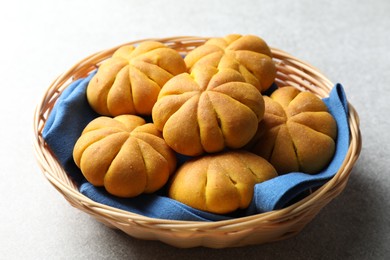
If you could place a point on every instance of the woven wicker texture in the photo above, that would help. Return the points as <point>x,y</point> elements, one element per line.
<point>255,229</point>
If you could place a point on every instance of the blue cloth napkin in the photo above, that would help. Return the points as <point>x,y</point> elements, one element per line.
<point>72,113</point>
<point>68,118</point>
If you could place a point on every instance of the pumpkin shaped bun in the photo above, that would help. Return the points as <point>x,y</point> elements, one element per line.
<point>297,132</point>
<point>208,110</point>
<point>220,183</point>
<point>248,54</point>
<point>125,155</point>
<point>129,81</point>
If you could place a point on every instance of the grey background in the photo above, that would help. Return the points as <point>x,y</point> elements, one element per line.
<point>347,40</point>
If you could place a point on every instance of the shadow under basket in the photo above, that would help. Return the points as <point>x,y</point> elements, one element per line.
<point>254,229</point>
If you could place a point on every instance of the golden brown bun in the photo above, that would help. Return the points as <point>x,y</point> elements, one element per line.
<point>129,82</point>
<point>220,183</point>
<point>125,155</point>
<point>297,132</point>
<point>208,110</point>
<point>249,55</point>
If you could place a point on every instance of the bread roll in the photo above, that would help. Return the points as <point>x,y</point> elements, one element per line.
<point>297,132</point>
<point>125,155</point>
<point>247,54</point>
<point>220,183</point>
<point>129,82</point>
<point>208,110</point>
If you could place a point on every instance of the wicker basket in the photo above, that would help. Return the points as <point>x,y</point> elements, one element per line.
<point>255,229</point>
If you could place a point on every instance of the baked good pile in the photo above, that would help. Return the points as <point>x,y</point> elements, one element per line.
<point>209,106</point>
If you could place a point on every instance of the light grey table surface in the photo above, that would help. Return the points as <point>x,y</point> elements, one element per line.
<point>349,41</point>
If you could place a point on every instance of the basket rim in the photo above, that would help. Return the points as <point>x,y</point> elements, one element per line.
<point>47,162</point>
